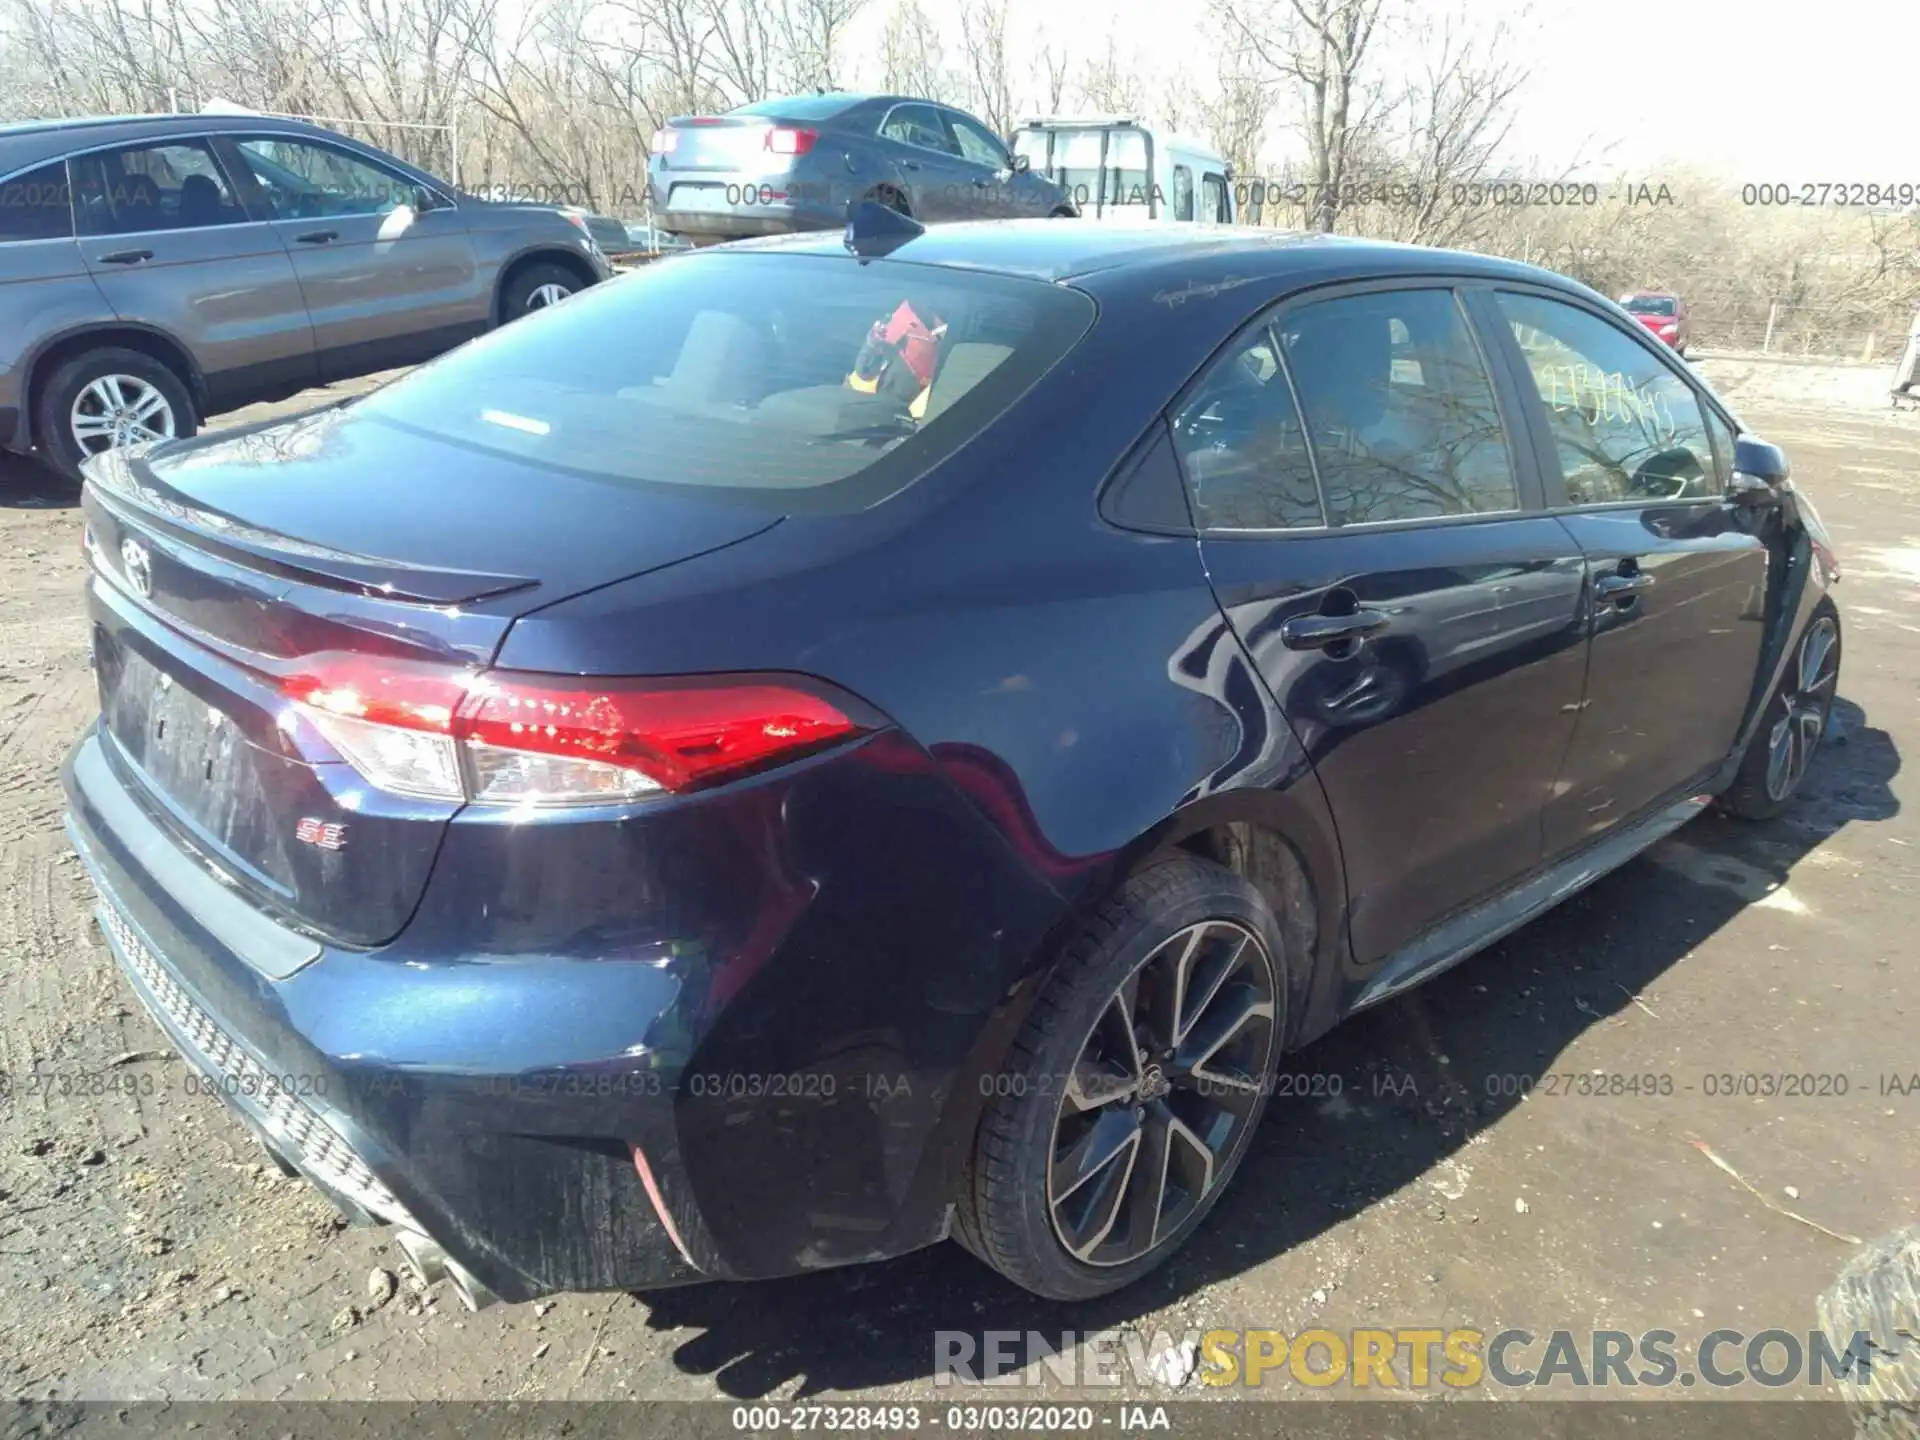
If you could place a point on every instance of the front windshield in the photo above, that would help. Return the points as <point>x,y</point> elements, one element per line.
<point>1650,305</point>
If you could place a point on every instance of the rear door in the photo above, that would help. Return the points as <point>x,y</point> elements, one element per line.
<point>1677,580</point>
<point>44,285</point>
<point>1384,564</point>
<point>173,244</point>
<point>386,282</point>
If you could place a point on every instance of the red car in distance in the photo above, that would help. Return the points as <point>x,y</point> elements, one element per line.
<point>1664,315</point>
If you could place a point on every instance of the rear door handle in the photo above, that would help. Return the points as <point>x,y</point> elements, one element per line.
<point>126,257</point>
<point>1621,589</point>
<point>318,237</point>
<point>1317,632</point>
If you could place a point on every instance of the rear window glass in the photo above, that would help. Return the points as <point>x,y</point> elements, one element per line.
<point>808,383</point>
<point>1650,305</point>
<point>802,107</point>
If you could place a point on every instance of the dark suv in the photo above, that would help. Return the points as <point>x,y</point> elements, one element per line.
<point>158,269</point>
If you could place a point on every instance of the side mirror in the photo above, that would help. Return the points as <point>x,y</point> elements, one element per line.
<point>1760,470</point>
<point>1020,164</point>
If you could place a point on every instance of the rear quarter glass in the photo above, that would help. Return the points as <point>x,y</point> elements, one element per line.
<point>784,381</point>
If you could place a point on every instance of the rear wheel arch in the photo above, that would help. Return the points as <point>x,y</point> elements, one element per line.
<point>893,197</point>
<point>155,344</point>
<point>520,264</point>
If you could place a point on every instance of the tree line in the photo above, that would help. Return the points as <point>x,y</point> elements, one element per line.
<point>1399,116</point>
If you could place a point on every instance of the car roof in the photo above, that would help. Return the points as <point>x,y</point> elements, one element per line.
<point>1065,250</point>
<point>25,144</point>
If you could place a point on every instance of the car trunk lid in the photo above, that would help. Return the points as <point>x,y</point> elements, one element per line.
<point>222,568</point>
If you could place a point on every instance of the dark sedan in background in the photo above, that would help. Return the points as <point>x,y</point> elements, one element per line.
<point>796,164</point>
<point>836,745</point>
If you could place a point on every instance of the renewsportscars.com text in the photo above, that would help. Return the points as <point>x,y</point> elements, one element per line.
<point>1405,1358</point>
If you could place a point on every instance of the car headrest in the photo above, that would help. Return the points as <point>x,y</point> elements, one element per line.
<point>1342,362</point>
<point>200,202</point>
<point>720,362</point>
<point>964,367</point>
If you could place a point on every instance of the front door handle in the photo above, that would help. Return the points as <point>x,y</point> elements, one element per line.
<point>1622,588</point>
<point>318,237</point>
<point>1317,632</point>
<point>126,257</point>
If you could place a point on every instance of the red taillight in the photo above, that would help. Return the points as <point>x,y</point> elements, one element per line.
<point>785,140</point>
<point>664,141</point>
<point>680,734</point>
<point>505,737</point>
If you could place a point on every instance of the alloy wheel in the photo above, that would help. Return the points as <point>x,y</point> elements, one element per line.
<point>117,410</point>
<point>551,293</point>
<point>1805,699</point>
<point>1162,1094</point>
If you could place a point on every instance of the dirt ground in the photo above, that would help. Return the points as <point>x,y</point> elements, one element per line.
<point>146,1251</point>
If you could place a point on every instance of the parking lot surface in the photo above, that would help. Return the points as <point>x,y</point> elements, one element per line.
<point>147,1250</point>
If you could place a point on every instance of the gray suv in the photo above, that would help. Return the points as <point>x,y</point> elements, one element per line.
<point>155,270</point>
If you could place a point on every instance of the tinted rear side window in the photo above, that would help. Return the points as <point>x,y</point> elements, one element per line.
<point>1242,447</point>
<point>811,383</point>
<point>1399,408</point>
<point>37,205</point>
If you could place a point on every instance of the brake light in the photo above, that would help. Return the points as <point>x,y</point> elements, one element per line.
<point>784,140</point>
<point>664,141</point>
<point>511,738</point>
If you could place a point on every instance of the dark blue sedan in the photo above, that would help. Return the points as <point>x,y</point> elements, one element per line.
<point>830,744</point>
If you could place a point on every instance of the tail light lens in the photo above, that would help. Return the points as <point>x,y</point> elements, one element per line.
<point>786,140</point>
<point>664,141</point>
<point>511,738</point>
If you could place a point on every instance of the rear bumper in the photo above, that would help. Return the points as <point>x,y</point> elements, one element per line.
<point>802,1077</point>
<point>323,1069</point>
<point>743,222</point>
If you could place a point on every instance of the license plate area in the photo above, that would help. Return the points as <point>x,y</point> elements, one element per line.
<point>182,743</point>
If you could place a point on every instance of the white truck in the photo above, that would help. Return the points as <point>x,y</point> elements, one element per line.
<point>1122,167</point>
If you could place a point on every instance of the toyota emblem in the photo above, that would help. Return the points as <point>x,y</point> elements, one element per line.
<point>138,564</point>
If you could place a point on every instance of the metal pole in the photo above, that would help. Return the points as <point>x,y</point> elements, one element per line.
<point>453,140</point>
<point>1766,345</point>
<point>173,98</point>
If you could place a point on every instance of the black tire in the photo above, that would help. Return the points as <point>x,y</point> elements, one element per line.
<point>893,200</point>
<point>1878,1293</point>
<point>533,289</point>
<point>1007,1211</point>
<point>1064,213</point>
<point>1755,793</point>
<point>54,410</point>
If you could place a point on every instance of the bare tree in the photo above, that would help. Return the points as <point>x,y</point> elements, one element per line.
<point>1109,87</point>
<point>910,52</point>
<point>1053,71</point>
<point>1320,50</point>
<point>1452,123</point>
<point>809,33</point>
<point>989,70</point>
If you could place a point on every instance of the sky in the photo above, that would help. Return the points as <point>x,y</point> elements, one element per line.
<point>1822,91</point>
